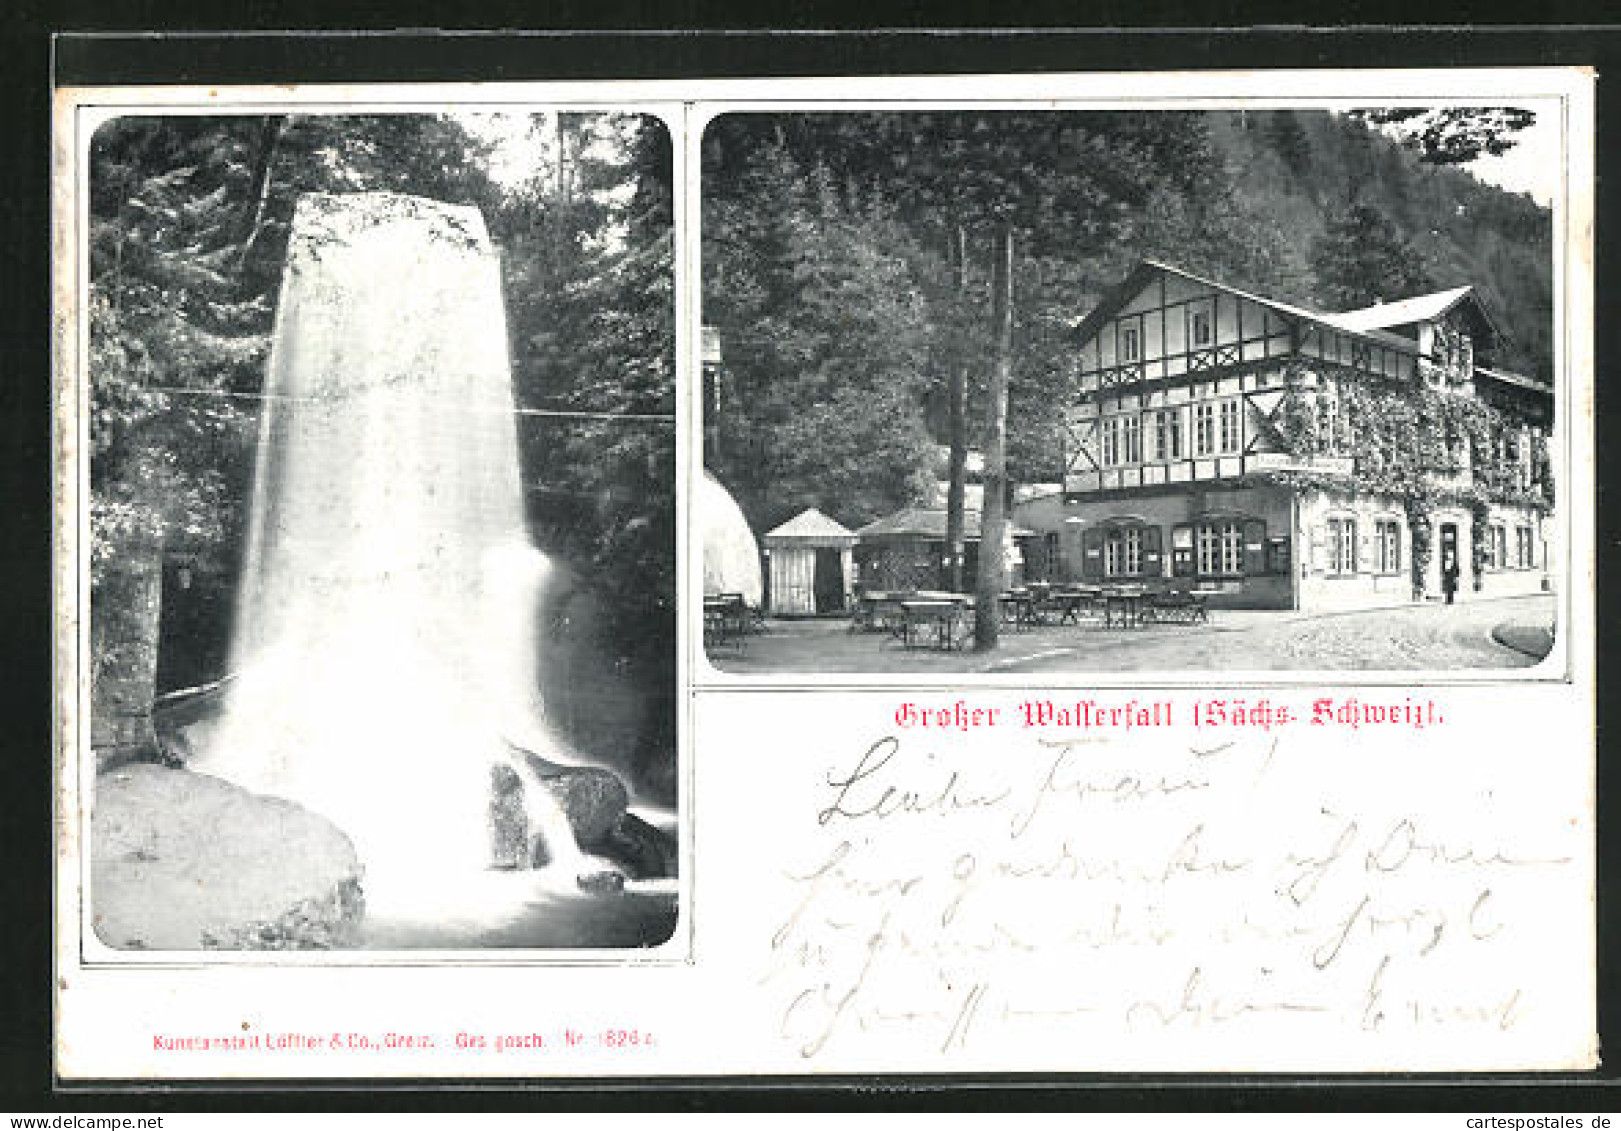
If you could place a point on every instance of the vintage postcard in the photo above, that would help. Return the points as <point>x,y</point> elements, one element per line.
<point>1058,574</point>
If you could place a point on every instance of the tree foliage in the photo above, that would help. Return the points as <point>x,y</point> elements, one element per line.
<point>1452,135</point>
<point>826,334</point>
<point>189,223</point>
<point>590,264</point>
<point>1461,230</point>
<point>885,195</point>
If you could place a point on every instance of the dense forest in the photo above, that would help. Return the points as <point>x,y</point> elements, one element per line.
<point>189,223</point>
<point>847,265</point>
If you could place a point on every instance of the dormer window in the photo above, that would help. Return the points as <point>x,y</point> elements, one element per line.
<point>1130,343</point>
<point>1199,327</point>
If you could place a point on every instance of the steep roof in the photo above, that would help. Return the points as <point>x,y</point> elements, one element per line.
<point>811,525</point>
<point>926,522</point>
<point>1518,380</point>
<point>1145,270</point>
<point>1419,308</point>
<point>1368,323</point>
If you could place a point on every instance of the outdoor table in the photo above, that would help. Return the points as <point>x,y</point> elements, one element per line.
<point>1127,602</point>
<point>735,609</point>
<point>877,611</point>
<point>717,623</point>
<point>1018,609</point>
<point>1202,596</point>
<point>1176,606</point>
<point>932,622</point>
<point>864,614</point>
<point>1070,602</point>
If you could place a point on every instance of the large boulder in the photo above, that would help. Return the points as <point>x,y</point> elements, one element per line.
<point>645,851</point>
<point>595,802</point>
<point>183,861</point>
<point>593,799</point>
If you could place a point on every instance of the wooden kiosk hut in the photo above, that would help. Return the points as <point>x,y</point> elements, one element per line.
<point>810,565</point>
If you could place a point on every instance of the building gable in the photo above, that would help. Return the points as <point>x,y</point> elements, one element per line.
<point>1165,324</point>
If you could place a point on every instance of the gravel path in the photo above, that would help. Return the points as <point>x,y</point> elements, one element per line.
<point>1416,637</point>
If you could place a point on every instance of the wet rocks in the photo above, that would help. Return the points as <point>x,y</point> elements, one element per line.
<point>645,851</point>
<point>183,861</point>
<point>593,799</point>
<point>509,824</point>
<point>604,882</point>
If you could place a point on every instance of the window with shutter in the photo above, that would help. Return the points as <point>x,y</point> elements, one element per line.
<point>1153,565</point>
<point>1123,551</point>
<point>1219,548</point>
<point>1254,546</point>
<point>1092,554</point>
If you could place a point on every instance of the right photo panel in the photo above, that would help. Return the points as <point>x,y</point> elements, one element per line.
<point>1094,391</point>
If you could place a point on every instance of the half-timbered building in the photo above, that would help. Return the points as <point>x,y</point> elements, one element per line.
<point>1289,458</point>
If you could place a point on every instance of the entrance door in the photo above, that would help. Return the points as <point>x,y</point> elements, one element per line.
<point>829,582</point>
<point>1447,560</point>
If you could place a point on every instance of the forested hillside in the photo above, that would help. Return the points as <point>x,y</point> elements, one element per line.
<point>1308,169</point>
<point>847,267</point>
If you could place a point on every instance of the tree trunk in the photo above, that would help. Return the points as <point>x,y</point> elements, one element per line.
<point>993,508</point>
<point>270,135</point>
<point>957,398</point>
<point>124,618</point>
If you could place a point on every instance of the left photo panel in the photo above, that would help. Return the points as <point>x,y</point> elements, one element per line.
<point>368,514</point>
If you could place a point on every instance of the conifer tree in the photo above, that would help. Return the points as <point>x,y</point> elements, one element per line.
<point>1361,258</point>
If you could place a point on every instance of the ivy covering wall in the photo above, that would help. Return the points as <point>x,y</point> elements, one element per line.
<point>1428,447</point>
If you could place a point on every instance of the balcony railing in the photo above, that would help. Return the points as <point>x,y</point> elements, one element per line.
<point>1202,469</point>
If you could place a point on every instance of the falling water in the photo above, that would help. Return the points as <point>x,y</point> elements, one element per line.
<point>386,618</point>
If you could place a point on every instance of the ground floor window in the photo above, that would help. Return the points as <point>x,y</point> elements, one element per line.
<point>1525,548</point>
<point>1123,552</point>
<point>1342,545</point>
<point>1220,547</point>
<point>1387,539</point>
<point>1497,547</point>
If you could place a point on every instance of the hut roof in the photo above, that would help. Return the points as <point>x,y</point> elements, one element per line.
<point>812,526</point>
<point>926,522</point>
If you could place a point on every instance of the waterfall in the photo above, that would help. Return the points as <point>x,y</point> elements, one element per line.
<point>386,619</point>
